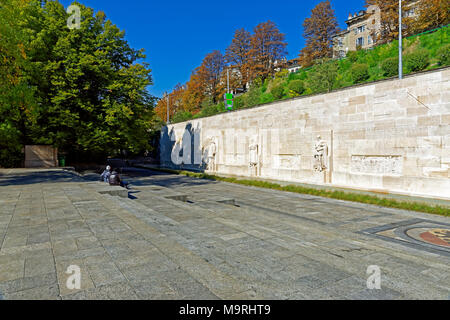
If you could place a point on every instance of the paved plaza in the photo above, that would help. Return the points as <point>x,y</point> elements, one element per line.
<point>176,237</point>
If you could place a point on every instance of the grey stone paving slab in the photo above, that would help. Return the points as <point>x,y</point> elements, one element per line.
<point>26,283</point>
<point>272,245</point>
<point>119,291</point>
<point>39,293</point>
<point>11,270</point>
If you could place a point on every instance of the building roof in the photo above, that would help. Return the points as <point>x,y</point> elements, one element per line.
<point>356,16</point>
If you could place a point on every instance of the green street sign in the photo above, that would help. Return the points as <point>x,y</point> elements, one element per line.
<point>228,101</point>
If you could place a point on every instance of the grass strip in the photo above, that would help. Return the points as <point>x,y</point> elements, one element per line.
<point>339,195</point>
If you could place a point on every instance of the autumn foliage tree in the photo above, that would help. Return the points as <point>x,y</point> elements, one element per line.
<point>319,30</point>
<point>210,73</point>
<point>431,14</point>
<point>175,103</point>
<point>194,93</point>
<point>389,30</point>
<point>249,56</point>
<point>237,56</point>
<point>204,82</point>
<point>267,50</point>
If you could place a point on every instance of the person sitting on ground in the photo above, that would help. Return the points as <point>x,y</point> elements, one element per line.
<point>106,174</point>
<point>115,180</point>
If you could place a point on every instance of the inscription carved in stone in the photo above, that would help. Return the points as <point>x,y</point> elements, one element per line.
<point>377,164</point>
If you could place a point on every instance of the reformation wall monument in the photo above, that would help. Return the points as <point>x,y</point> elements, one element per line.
<point>389,136</point>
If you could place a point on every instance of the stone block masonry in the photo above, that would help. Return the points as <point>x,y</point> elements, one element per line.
<point>390,136</point>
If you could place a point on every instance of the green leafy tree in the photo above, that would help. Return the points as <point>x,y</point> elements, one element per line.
<point>252,97</point>
<point>277,92</point>
<point>324,76</point>
<point>90,85</point>
<point>16,96</point>
<point>443,55</point>
<point>296,87</point>
<point>390,66</point>
<point>360,72</point>
<point>417,60</point>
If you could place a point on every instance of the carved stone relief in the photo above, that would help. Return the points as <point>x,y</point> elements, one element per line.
<point>377,164</point>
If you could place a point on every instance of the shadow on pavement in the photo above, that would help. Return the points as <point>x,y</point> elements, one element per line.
<point>146,177</point>
<point>26,178</point>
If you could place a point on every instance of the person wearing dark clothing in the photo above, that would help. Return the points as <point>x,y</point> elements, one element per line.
<point>115,180</point>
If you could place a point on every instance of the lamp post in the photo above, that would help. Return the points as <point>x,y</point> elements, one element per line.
<point>228,97</point>
<point>228,80</point>
<point>400,41</point>
<point>167,100</point>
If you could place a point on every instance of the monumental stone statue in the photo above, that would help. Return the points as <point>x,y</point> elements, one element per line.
<point>320,155</point>
<point>211,154</point>
<point>253,153</point>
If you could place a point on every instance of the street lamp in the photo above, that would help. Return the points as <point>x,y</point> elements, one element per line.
<point>400,41</point>
<point>228,80</point>
<point>167,97</point>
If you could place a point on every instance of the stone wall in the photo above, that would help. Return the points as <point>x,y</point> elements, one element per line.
<point>390,136</point>
<point>41,156</point>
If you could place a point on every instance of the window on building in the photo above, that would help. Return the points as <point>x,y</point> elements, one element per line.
<point>369,40</point>
<point>409,13</point>
<point>361,29</point>
<point>360,41</point>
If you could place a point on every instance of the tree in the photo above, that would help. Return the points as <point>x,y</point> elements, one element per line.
<point>204,82</point>
<point>431,14</point>
<point>296,87</point>
<point>237,55</point>
<point>389,30</point>
<point>175,103</point>
<point>319,31</point>
<point>194,93</point>
<point>89,85</point>
<point>267,51</point>
<point>210,73</point>
<point>16,96</point>
<point>359,72</point>
<point>324,76</point>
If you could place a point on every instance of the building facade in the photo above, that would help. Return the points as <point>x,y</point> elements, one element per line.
<point>360,31</point>
<point>363,28</point>
<point>293,66</point>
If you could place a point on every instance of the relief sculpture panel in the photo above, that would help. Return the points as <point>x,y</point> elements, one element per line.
<point>387,165</point>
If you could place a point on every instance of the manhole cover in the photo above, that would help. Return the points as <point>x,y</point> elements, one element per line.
<point>427,235</point>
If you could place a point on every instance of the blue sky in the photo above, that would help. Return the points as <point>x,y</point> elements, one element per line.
<point>176,35</point>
